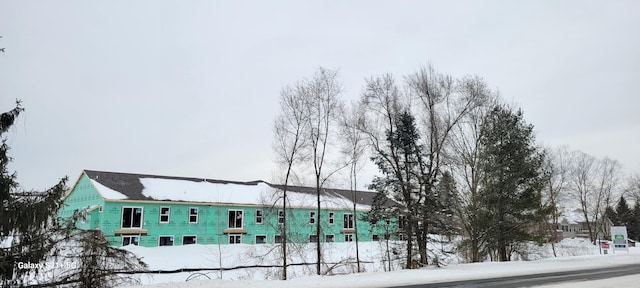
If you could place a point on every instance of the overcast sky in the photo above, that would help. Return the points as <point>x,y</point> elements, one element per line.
<point>190,88</point>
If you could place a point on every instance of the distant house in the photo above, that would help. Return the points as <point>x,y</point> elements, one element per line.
<point>572,224</point>
<point>151,210</point>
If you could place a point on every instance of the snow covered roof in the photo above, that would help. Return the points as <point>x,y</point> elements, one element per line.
<point>573,217</point>
<point>128,186</point>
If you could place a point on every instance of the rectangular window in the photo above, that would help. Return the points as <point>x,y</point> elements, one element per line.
<point>331,217</point>
<point>401,222</point>
<point>261,239</point>
<point>312,217</point>
<point>348,221</point>
<point>187,240</point>
<point>164,214</point>
<point>328,238</point>
<point>193,215</point>
<point>259,216</point>
<point>280,217</point>
<point>235,219</point>
<point>165,241</point>
<point>235,238</point>
<point>132,217</point>
<point>130,240</point>
<point>348,237</point>
<point>375,237</point>
<point>313,238</point>
<point>277,239</point>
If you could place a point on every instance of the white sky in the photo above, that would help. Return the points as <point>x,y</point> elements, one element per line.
<point>191,88</point>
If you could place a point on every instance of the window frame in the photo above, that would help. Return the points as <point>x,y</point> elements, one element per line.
<point>348,237</point>
<point>327,236</point>
<point>276,237</point>
<point>312,217</point>
<point>261,217</point>
<point>195,239</point>
<point>133,208</point>
<point>130,237</point>
<point>237,236</point>
<point>168,214</point>
<point>311,237</point>
<point>280,217</point>
<point>197,215</point>
<point>235,217</point>
<point>347,220</point>
<point>173,240</point>
<point>331,218</point>
<point>255,240</point>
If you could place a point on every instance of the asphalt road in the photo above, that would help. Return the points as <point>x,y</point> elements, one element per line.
<point>538,279</point>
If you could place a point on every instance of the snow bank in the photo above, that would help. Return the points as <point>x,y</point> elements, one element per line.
<point>371,253</point>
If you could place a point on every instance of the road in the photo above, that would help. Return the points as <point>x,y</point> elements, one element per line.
<point>537,279</point>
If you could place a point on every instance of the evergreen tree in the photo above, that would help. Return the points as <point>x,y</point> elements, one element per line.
<point>90,261</point>
<point>445,221</point>
<point>611,214</point>
<point>402,166</point>
<point>634,225</point>
<point>31,232</point>
<point>624,215</point>
<point>510,194</point>
<point>26,218</point>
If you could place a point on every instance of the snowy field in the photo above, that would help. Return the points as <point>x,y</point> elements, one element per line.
<point>234,255</point>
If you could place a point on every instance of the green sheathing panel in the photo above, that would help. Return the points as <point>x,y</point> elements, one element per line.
<point>83,196</point>
<point>212,226</point>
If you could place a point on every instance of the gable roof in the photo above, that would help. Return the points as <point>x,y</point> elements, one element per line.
<point>143,187</point>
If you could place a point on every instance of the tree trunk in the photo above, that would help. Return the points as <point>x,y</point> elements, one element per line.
<point>409,235</point>
<point>502,250</point>
<point>475,250</point>
<point>318,254</point>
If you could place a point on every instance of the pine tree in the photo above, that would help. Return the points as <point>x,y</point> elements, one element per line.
<point>402,166</point>
<point>31,232</point>
<point>623,213</point>
<point>634,225</point>
<point>510,194</point>
<point>445,219</point>
<point>611,214</point>
<point>26,217</point>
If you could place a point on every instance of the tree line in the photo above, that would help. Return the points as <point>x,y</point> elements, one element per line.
<point>453,155</point>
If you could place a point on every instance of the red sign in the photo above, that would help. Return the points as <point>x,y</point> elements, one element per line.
<point>604,245</point>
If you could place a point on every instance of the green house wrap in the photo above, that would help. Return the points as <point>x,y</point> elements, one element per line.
<point>152,210</point>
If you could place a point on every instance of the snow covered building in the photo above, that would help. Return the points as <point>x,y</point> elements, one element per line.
<point>573,224</point>
<point>151,210</point>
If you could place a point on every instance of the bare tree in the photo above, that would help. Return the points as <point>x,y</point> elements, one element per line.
<point>289,143</point>
<point>382,105</point>
<point>583,172</point>
<point>354,148</point>
<point>607,190</point>
<point>323,108</point>
<point>464,158</point>
<point>557,168</point>
<point>593,182</point>
<point>444,103</point>
<point>633,186</point>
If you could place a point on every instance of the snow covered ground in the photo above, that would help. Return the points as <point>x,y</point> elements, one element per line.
<point>207,256</point>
